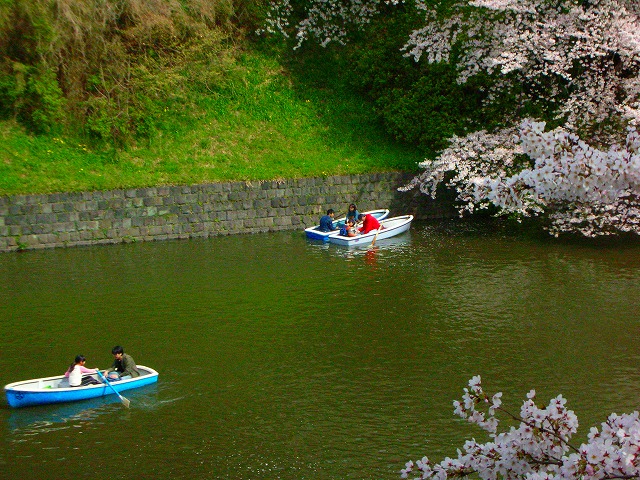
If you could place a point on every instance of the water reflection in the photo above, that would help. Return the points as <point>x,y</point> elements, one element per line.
<point>46,418</point>
<point>284,358</point>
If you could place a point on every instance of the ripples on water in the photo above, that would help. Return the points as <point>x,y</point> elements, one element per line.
<point>285,358</point>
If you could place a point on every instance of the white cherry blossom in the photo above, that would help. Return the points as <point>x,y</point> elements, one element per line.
<point>539,448</point>
<point>580,59</point>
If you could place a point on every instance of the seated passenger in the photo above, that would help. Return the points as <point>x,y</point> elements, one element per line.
<point>75,373</point>
<point>348,229</point>
<point>369,223</point>
<point>352,213</point>
<point>123,367</point>
<point>326,222</point>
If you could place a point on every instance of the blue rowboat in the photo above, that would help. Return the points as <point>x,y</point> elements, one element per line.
<point>43,391</point>
<point>315,234</point>
<point>389,227</point>
<point>41,417</point>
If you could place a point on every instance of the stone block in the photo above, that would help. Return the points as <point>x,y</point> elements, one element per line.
<point>64,227</point>
<point>90,225</point>
<point>28,240</point>
<point>42,228</point>
<point>136,202</point>
<point>137,222</point>
<point>16,209</point>
<point>19,199</point>
<point>211,188</point>
<point>238,196</point>
<point>282,221</point>
<point>47,238</point>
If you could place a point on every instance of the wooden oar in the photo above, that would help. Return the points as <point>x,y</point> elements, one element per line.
<point>125,401</point>
<point>375,237</point>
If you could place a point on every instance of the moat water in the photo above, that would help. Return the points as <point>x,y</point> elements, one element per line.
<point>283,358</point>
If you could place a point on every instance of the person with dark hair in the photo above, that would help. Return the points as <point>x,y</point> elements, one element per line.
<point>123,365</point>
<point>352,214</point>
<point>369,223</point>
<point>76,370</point>
<point>348,229</point>
<point>326,221</point>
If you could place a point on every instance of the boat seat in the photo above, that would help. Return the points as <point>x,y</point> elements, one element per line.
<point>64,383</point>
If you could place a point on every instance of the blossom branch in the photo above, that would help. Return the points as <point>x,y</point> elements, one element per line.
<point>539,448</point>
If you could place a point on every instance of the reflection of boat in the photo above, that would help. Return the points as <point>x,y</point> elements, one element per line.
<point>43,418</point>
<point>315,234</point>
<point>389,227</point>
<point>386,248</point>
<point>42,391</point>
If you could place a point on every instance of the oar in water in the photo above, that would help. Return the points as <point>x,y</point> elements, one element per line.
<point>375,237</point>
<point>125,401</point>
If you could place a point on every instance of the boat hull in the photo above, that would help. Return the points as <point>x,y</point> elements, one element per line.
<point>392,227</point>
<point>314,234</point>
<point>44,391</point>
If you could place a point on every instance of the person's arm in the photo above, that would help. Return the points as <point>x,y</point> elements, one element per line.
<point>88,370</point>
<point>110,369</point>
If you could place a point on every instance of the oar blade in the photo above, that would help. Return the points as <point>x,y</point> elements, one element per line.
<point>125,401</point>
<point>375,237</point>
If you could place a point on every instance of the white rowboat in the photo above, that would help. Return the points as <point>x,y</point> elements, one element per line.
<point>315,234</point>
<point>389,227</point>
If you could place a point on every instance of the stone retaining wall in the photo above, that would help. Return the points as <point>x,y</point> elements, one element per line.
<point>179,212</point>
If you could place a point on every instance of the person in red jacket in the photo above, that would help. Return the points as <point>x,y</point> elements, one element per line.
<point>369,223</point>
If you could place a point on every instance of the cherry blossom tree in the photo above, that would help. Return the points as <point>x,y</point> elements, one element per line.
<point>584,189</point>
<point>578,61</point>
<point>325,21</point>
<point>540,447</point>
<point>585,52</point>
<point>585,56</point>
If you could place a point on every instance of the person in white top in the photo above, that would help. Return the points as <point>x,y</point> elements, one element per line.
<point>76,370</point>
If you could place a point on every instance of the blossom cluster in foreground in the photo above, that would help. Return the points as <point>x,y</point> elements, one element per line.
<point>539,448</point>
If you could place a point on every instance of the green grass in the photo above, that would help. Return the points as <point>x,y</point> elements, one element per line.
<point>263,123</point>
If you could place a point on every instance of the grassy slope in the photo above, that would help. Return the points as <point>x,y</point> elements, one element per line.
<point>263,124</point>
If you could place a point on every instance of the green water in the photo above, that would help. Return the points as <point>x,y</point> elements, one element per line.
<point>281,358</point>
